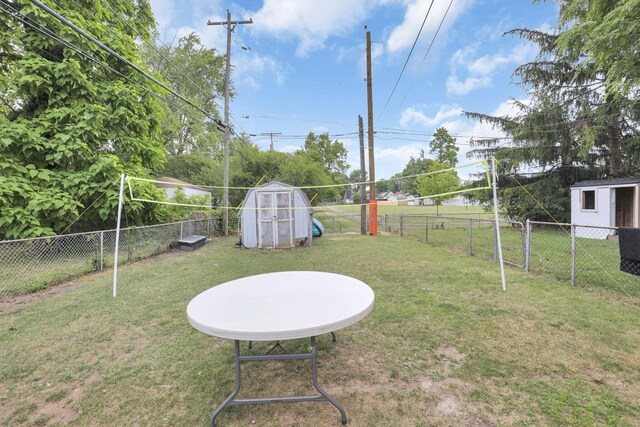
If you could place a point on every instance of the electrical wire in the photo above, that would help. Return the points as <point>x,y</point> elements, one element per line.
<point>427,53</point>
<point>152,46</point>
<point>407,60</point>
<point>110,51</point>
<point>16,14</point>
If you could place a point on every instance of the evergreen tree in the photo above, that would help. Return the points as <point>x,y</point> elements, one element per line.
<point>577,125</point>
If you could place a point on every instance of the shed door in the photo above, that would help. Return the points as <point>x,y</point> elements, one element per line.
<point>275,219</point>
<point>284,220</point>
<point>624,207</point>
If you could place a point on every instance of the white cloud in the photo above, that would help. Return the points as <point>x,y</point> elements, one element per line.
<point>487,64</point>
<point>251,67</point>
<point>403,36</point>
<point>458,87</point>
<point>310,22</point>
<point>400,154</point>
<point>480,70</point>
<point>164,11</point>
<point>413,115</point>
<point>461,128</point>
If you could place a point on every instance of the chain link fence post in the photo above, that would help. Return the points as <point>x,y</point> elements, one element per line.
<point>470,237</point>
<point>523,239</point>
<point>426,230</point>
<point>573,254</point>
<point>101,250</point>
<point>401,225</point>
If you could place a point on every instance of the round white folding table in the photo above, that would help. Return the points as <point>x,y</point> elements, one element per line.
<point>280,306</point>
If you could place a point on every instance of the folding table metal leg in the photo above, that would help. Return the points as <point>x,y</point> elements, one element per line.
<point>324,396</point>
<point>314,376</point>
<point>236,345</point>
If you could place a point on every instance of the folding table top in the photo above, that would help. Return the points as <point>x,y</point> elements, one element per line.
<point>281,306</point>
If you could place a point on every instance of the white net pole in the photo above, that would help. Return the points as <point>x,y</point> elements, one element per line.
<point>115,254</point>
<point>495,209</point>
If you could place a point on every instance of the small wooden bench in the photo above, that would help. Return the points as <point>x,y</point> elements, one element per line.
<point>191,243</point>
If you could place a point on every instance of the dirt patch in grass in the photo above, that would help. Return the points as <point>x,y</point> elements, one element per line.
<point>16,302</point>
<point>9,304</point>
<point>65,409</point>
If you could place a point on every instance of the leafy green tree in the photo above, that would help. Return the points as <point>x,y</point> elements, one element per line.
<point>415,166</point>
<point>392,184</point>
<point>174,213</point>
<point>68,126</point>
<point>332,153</point>
<point>354,176</point>
<point>303,169</point>
<point>603,35</point>
<point>438,183</point>
<point>198,74</point>
<point>444,147</point>
<point>249,166</point>
<point>580,122</point>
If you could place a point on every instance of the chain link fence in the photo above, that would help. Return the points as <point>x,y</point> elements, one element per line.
<point>473,236</point>
<point>581,255</point>
<point>29,265</point>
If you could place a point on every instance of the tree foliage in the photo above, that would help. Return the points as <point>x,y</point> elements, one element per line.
<point>197,72</point>
<point>580,122</point>
<point>442,180</point>
<point>415,166</point>
<point>444,147</point>
<point>332,153</point>
<point>68,126</point>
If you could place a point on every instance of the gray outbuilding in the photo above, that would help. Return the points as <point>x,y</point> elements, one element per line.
<point>275,215</point>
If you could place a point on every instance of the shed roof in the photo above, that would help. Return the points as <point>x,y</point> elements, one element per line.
<point>608,182</point>
<point>276,185</point>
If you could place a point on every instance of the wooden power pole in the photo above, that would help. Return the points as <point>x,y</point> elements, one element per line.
<point>230,26</point>
<point>270,134</point>
<point>363,195</point>
<point>373,206</point>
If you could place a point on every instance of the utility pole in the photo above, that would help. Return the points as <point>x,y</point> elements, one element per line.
<point>373,205</point>
<point>230,26</point>
<point>270,134</point>
<point>363,206</point>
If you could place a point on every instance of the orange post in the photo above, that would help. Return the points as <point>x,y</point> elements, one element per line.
<point>373,217</point>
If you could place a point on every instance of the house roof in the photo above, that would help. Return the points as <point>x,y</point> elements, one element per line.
<point>608,182</point>
<point>168,182</point>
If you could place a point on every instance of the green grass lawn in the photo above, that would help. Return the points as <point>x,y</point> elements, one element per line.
<point>443,346</point>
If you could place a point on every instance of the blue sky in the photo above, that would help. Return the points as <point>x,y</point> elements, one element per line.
<point>303,67</point>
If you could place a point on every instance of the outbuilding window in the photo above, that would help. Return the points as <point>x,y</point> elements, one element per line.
<point>588,200</point>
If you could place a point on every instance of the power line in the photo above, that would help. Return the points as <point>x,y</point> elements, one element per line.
<point>154,47</point>
<point>15,13</point>
<point>291,119</point>
<point>126,61</point>
<point>407,61</point>
<point>428,50</point>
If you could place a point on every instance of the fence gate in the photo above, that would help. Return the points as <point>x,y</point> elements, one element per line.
<point>275,219</point>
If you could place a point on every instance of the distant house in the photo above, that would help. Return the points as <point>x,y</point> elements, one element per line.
<point>605,203</point>
<point>386,195</point>
<point>171,185</point>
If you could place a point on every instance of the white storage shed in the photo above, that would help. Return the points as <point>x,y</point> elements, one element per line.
<point>275,215</point>
<point>605,203</point>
